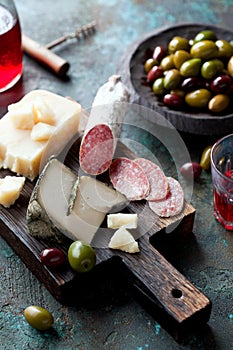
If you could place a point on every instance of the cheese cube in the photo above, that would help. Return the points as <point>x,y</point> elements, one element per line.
<point>10,189</point>
<point>42,112</point>
<point>42,132</point>
<point>23,118</point>
<point>25,156</point>
<point>118,220</point>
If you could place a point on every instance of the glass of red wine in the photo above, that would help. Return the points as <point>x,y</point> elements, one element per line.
<point>11,64</point>
<point>222,177</point>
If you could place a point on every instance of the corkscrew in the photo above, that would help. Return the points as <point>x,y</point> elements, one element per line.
<point>45,56</point>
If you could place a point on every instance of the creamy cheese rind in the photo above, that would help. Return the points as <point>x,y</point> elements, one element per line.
<point>51,199</point>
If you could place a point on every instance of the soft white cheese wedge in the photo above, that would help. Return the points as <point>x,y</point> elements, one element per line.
<point>52,196</point>
<point>124,240</point>
<point>10,189</point>
<point>25,155</point>
<point>117,220</point>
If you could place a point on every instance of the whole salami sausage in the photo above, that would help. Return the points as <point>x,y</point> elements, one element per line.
<point>104,127</point>
<point>156,177</point>
<point>129,179</point>
<point>171,205</point>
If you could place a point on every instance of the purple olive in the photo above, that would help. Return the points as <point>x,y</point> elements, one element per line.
<point>159,53</point>
<point>191,170</point>
<point>191,83</point>
<point>53,257</point>
<point>222,84</point>
<point>155,73</point>
<point>173,101</point>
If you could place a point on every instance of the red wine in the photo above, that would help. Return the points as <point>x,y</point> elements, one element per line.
<point>10,49</point>
<point>224,205</point>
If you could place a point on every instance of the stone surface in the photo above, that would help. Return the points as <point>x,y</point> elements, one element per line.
<point>205,257</point>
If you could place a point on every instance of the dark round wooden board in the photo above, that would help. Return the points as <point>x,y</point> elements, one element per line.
<point>131,68</point>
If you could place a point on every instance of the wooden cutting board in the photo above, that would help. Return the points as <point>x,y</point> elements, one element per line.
<point>174,301</point>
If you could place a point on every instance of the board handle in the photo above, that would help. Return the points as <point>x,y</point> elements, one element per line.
<point>178,304</point>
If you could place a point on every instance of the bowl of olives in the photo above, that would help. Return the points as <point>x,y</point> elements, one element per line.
<point>185,73</point>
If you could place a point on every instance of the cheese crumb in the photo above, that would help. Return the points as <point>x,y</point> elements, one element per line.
<point>123,240</point>
<point>10,189</point>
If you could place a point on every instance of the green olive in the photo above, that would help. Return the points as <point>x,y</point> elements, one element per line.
<point>149,64</point>
<point>224,48</point>
<point>81,256</point>
<point>210,68</point>
<point>158,86</point>
<point>167,62</point>
<point>218,103</point>
<point>205,49</point>
<point>180,56</point>
<point>205,35</point>
<point>230,66</point>
<point>205,158</point>
<point>178,43</point>
<point>191,68</point>
<point>198,98</point>
<point>38,317</point>
<point>172,79</point>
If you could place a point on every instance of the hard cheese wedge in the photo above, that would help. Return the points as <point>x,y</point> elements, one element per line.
<point>47,210</point>
<point>25,152</point>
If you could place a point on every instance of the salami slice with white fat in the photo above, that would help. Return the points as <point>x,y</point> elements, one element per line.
<point>103,127</point>
<point>171,205</point>
<point>156,177</point>
<point>129,179</point>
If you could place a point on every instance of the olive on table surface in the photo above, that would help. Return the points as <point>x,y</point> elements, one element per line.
<point>172,79</point>
<point>180,56</point>
<point>53,257</point>
<point>81,256</point>
<point>198,98</point>
<point>191,170</point>
<point>218,103</point>
<point>167,62</point>
<point>154,73</point>
<point>38,317</point>
<point>210,68</point>
<point>224,48</point>
<point>149,64</point>
<point>191,67</point>
<point>158,86</point>
<point>159,53</point>
<point>222,84</point>
<point>173,101</point>
<point>205,35</point>
<point>191,83</point>
<point>178,43</point>
<point>204,49</point>
<point>205,158</point>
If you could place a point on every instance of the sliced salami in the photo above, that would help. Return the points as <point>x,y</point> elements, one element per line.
<point>156,177</point>
<point>129,179</point>
<point>173,203</point>
<point>103,127</point>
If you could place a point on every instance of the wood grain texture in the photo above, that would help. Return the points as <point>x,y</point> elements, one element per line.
<point>131,67</point>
